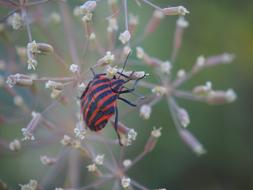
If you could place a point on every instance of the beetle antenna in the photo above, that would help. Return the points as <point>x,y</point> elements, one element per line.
<point>93,72</point>
<point>124,65</point>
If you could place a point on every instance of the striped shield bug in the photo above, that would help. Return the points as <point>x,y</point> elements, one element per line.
<point>99,99</point>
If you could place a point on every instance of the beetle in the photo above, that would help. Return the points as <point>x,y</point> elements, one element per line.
<point>99,99</point>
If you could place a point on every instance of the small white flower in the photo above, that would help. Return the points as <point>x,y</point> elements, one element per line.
<point>32,185</point>
<point>45,160</point>
<point>99,159</point>
<point>74,68</point>
<point>27,134</point>
<point>182,23</point>
<point>182,10</point>
<point>231,95</point>
<point>53,85</point>
<point>200,61</point>
<point>32,64</point>
<point>79,130</point>
<point>125,37</point>
<point>203,89</point>
<point>127,163</point>
<point>156,132</point>
<point>183,117</point>
<point>227,58</point>
<point>12,79</point>
<point>125,182</point>
<point>92,167</point>
<point>33,47</point>
<point>87,17</point>
<point>165,67</point>
<point>112,25</point>
<point>66,140</point>
<point>111,71</point>
<point>159,90</point>
<point>145,111</point>
<point>108,58</point>
<point>181,73</point>
<point>15,21</point>
<point>92,36</point>
<point>15,145</point>
<point>131,136</point>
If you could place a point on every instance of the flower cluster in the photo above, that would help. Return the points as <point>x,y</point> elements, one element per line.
<point>58,109</point>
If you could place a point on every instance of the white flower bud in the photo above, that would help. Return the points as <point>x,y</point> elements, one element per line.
<point>182,23</point>
<point>99,159</point>
<point>231,95</point>
<point>27,134</point>
<point>107,59</point>
<point>66,140</point>
<point>145,111</point>
<point>127,163</point>
<point>131,136</point>
<point>74,68</point>
<point>183,117</point>
<point>87,17</point>
<point>79,130</point>
<point>181,73</point>
<point>92,167</point>
<point>165,67</point>
<point>111,71</point>
<point>15,145</point>
<point>125,182</point>
<point>125,37</point>
<point>156,132</point>
<point>180,10</point>
<point>32,185</point>
<point>92,36</point>
<point>32,64</point>
<point>159,90</point>
<point>45,160</point>
<point>54,85</point>
<point>16,21</point>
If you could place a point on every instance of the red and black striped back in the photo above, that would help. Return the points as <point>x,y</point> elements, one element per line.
<point>98,101</point>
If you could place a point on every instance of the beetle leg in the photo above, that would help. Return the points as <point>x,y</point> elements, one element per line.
<point>126,101</point>
<point>116,125</point>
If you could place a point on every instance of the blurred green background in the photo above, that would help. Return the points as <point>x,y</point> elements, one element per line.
<point>226,131</point>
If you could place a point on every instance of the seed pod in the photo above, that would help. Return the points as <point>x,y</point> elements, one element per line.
<point>45,48</point>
